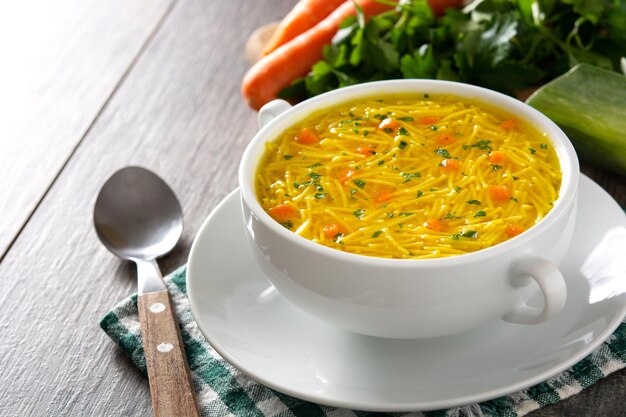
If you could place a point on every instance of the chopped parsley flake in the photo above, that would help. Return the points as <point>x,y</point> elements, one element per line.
<point>320,196</point>
<point>514,199</point>
<point>495,167</point>
<point>366,132</point>
<point>406,213</point>
<point>419,194</point>
<point>480,214</point>
<point>288,224</point>
<point>287,157</point>
<point>403,131</point>
<point>317,164</point>
<point>315,176</point>
<point>472,234</point>
<point>544,146</point>
<point>359,213</point>
<point>380,162</point>
<point>476,202</point>
<point>352,192</point>
<point>532,151</point>
<point>402,145</point>
<point>481,144</point>
<point>409,175</point>
<point>390,215</point>
<point>376,233</point>
<point>388,130</point>
<point>444,153</point>
<point>338,237</point>
<point>450,216</point>
<point>359,183</point>
<point>434,128</point>
<point>457,189</point>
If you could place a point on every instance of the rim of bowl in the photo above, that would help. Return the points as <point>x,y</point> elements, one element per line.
<point>563,147</point>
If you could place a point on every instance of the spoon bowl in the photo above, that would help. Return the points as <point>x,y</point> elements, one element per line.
<point>137,216</point>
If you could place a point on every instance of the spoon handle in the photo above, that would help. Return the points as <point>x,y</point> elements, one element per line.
<point>171,388</point>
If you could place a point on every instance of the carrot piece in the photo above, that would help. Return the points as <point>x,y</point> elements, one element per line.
<point>429,120</point>
<point>366,150</point>
<point>382,195</point>
<point>389,123</point>
<point>331,230</point>
<point>346,176</point>
<point>435,224</point>
<point>295,58</point>
<point>304,15</point>
<point>509,124</point>
<point>499,192</point>
<point>306,137</point>
<point>513,230</point>
<point>450,165</point>
<point>445,139</point>
<point>496,157</point>
<point>283,212</point>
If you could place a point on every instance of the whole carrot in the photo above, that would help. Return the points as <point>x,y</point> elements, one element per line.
<point>294,59</point>
<point>304,15</point>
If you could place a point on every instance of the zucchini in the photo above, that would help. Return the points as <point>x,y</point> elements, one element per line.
<point>589,104</point>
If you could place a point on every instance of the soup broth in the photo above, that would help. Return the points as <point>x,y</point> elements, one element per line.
<point>409,177</point>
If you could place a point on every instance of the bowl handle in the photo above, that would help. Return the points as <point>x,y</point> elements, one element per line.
<point>272,109</point>
<point>550,281</point>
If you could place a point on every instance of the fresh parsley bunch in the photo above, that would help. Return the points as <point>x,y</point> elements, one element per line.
<point>505,45</point>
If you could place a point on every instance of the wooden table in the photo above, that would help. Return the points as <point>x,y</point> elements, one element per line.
<point>87,87</point>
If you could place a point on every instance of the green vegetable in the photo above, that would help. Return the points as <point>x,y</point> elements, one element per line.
<point>359,183</point>
<point>505,45</point>
<point>589,104</point>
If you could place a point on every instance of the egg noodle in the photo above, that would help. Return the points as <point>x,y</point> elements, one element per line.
<point>409,177</point>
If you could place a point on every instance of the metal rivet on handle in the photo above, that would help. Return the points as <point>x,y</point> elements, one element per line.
<point>165,347</point>
<point>157,307</point>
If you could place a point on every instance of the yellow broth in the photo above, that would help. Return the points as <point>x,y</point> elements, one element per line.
<point>409,177</point>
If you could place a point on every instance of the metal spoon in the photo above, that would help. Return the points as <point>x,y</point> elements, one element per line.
<point>137,217</point>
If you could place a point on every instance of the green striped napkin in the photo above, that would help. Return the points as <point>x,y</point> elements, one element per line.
<point>223,390</point>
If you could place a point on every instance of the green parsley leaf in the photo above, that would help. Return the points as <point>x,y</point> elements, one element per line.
<point>419,194</point>
<point>450,216</point>
<point>377,233</point>
<point>402,144</point>
<point>287,157</point>
<point>320,196</point>
<point>480,214</point>
<point>380,162</point>
<point>315,176</point>
<point>532,151</point>
<point>476,202</point>
<point>495,167</point>
<point>544,146</point>
<point>359,213</point>
<point>402,131</point>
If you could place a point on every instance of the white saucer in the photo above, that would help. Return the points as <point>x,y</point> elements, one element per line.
<point>263,335</point>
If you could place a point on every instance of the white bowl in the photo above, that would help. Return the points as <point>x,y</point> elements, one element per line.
<point>402,298</point>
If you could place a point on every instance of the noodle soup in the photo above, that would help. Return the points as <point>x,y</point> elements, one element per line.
<point>409,177</point>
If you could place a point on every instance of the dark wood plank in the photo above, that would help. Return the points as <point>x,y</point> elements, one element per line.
<point>60,63</point>
<point>180,114</point>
